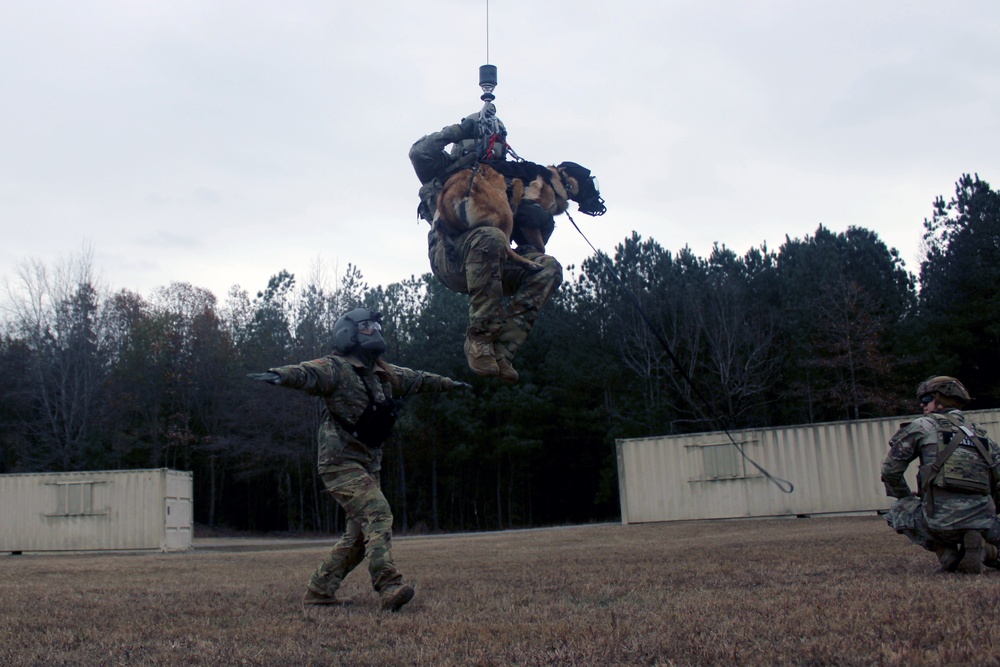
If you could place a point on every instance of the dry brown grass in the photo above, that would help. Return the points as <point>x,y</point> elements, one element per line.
<point>843,591</point>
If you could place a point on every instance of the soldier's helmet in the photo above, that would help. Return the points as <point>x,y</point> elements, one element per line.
<point>359,330</point>
<point>944,385</point>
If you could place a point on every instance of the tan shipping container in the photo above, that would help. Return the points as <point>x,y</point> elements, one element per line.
<point>96,510</point>
<point>833,466</point>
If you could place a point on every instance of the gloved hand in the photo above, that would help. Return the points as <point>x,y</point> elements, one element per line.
<point>470,128</point>
<point>267,376</point>
<point>461,385</point>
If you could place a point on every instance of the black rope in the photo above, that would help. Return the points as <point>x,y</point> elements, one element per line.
<point>472,178</point>
<point>783,484</point>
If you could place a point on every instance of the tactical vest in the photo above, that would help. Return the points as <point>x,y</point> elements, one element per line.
<point>375,423</point>
<point>962,460</point>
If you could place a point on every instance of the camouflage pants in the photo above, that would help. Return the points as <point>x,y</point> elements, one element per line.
<point>906,517</point>
<point>504,297</point>
<point>368,532</point>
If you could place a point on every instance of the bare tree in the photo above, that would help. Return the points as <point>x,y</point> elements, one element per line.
<point>59,316</point>
<point>739,346</point>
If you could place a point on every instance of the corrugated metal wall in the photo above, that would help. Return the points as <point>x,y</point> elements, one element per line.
<point>834,467</point>
<point>78,511</point>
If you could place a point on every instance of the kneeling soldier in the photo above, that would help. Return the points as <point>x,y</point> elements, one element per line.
<point>959,473</point>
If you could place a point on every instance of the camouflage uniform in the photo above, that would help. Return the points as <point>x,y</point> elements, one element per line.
<point>350,468</point>
<point>945,514</point>
<point>505,299</point>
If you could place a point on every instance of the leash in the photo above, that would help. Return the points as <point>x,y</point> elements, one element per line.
<point>472,178</point>
<point>783,484</point>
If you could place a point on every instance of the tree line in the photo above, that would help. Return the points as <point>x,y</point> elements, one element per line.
<point>827,327</point>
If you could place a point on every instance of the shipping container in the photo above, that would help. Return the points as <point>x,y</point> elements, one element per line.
<point>83,511</point>
<point>834,467</point>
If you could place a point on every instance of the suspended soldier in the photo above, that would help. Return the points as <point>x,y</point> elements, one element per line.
<point>954,508</point>
<point>504,298</point>
<point>362,395</point>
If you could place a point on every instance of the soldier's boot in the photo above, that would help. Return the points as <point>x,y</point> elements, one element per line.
<point>314,595</point>
<point>949,555</point>
<point>507,372</point>
<point>972,559</point>
<point>393,599</point>
<point>991,556</point>
<point>480,355</point>
<point>504,356</point>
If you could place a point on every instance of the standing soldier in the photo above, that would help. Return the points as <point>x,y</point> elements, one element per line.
<point>504,298</point>
<point>359,390</point>
<point>955,508</point>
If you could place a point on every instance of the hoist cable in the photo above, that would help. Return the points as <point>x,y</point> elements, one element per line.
<point>783,484</point>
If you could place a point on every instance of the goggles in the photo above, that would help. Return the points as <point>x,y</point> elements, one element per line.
<point>368,327</point>
<point>926,399</point>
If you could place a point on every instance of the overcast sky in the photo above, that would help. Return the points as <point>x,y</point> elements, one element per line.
<point>219,142</point>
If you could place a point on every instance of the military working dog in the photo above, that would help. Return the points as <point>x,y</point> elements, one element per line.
<point>518,198</point>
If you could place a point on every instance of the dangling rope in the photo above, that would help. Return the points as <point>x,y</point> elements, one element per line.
<point>783,484</point>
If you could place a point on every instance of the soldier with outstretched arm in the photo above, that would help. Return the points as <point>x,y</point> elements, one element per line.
<point>362,396</point>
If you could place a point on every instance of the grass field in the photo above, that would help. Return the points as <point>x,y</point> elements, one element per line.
<point>822,591</point>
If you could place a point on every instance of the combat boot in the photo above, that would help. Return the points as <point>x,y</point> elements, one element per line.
<point>479,353</point>
<point>507,372</point>
<point>312,598</point>
<point>972,559</point>
<point>393,599</point>
<point>991,556</point>
<point>948,556</point>
<point>503,355</point>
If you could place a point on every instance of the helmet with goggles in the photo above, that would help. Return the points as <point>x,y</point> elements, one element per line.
<point>944,385</point>
<point>359,331</point>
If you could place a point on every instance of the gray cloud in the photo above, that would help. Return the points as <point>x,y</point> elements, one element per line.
<point>217,143</point>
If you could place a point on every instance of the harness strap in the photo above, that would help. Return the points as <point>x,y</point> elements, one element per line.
<point>353,428</point>
<point>458,165</point>
<point>413,384</point>
<point>941,456</point>
<point>934,469</point>
<point>472,180</point>
<point>977,441</point>
<point>348,426</point>
<point>981,448</point>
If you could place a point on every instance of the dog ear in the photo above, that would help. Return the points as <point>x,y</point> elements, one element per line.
<point>575,170</point>
<point>578,172</point>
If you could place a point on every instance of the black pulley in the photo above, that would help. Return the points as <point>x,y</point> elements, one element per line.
<point>487,81</point>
